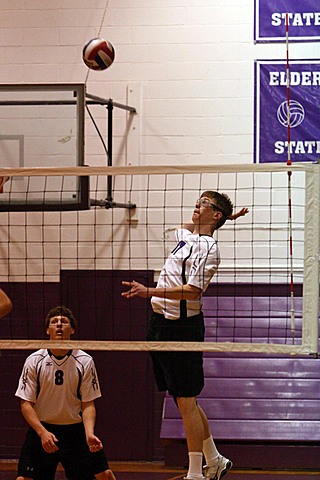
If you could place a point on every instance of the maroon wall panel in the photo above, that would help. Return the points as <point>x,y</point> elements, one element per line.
<point>127,412</point>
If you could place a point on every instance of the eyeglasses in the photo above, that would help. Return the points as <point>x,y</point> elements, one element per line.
<point>205,202</point>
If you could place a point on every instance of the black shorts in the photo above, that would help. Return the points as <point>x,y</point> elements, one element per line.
<point>74,455</point>
<point>181,373</point>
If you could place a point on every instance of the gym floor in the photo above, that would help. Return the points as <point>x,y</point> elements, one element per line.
<point>157,471</point>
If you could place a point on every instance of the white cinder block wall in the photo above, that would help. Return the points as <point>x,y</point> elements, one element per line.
<point>186,65</point>
<point>191,60</point>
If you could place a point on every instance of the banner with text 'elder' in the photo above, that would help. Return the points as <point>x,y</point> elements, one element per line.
<point>273,114</point>
<point>270,20</point>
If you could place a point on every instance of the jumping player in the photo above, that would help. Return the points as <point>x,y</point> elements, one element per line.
<point>57,389</point>
<point>177,316</point>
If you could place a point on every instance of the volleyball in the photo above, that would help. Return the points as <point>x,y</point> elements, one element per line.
<point>98,54</point>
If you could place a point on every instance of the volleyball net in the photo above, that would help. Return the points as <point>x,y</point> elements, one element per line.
<point>55,249</point>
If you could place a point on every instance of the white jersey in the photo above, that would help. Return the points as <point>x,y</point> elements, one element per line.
<point>57,386</point>
<point>193,261</point>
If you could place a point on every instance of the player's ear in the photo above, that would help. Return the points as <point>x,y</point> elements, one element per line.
<point>217,215</point>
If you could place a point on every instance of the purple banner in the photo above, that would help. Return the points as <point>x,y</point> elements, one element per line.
<point>270,20</point>
<point>272,114</point>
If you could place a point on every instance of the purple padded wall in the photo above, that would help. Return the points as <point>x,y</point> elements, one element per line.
<point>252,397</point>
<point>126,378</point>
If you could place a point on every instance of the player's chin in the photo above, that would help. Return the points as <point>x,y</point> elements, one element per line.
<point>58,336</point>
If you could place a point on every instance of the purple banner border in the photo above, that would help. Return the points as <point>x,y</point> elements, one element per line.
<point>289,6</point>
<point>259,91</point>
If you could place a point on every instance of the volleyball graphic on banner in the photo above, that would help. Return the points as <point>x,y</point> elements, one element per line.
<point>98,54</point>
<point>292,114</point>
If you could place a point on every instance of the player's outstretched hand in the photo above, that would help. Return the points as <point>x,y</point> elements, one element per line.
<point>94,443</point>
<point>241,213</point>
<point>136,290</point>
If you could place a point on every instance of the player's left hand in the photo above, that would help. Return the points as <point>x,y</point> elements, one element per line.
<point>94,443</point>
<point>136,290</point>
<point>240,213</point>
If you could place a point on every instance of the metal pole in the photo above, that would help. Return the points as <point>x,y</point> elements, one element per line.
<point>110,132</point>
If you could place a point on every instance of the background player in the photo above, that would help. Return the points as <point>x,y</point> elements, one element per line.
<point>57,389</point>
<point>177,316</point>
<point>5,304</point>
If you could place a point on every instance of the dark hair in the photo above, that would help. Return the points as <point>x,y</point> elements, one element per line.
<point>223,203</point>
<point>62,311</point>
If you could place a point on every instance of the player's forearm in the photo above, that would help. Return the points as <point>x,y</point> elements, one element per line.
<point>31,417</point>
<point>89,417</point>
<point>183,292</point>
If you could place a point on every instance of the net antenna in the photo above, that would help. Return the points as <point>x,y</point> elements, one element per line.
<point>289,184</point>
<point>108,202</point>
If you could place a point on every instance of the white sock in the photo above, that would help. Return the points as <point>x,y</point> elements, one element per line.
<point>195,465</point>
<point>210,451</point>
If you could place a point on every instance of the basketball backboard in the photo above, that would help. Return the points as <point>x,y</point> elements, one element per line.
<point>42,125</point>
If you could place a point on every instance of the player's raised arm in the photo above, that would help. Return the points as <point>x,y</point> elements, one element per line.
<point>240,213</point>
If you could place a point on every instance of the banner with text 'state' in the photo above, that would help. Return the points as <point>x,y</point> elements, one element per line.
<point>272,16</point>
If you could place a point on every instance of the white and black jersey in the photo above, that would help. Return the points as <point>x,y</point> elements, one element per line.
<point>193,261</point>
<point>57,385</point>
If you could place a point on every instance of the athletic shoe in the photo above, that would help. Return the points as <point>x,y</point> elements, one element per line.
<point>219,470</point>
<point>190,478</point>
